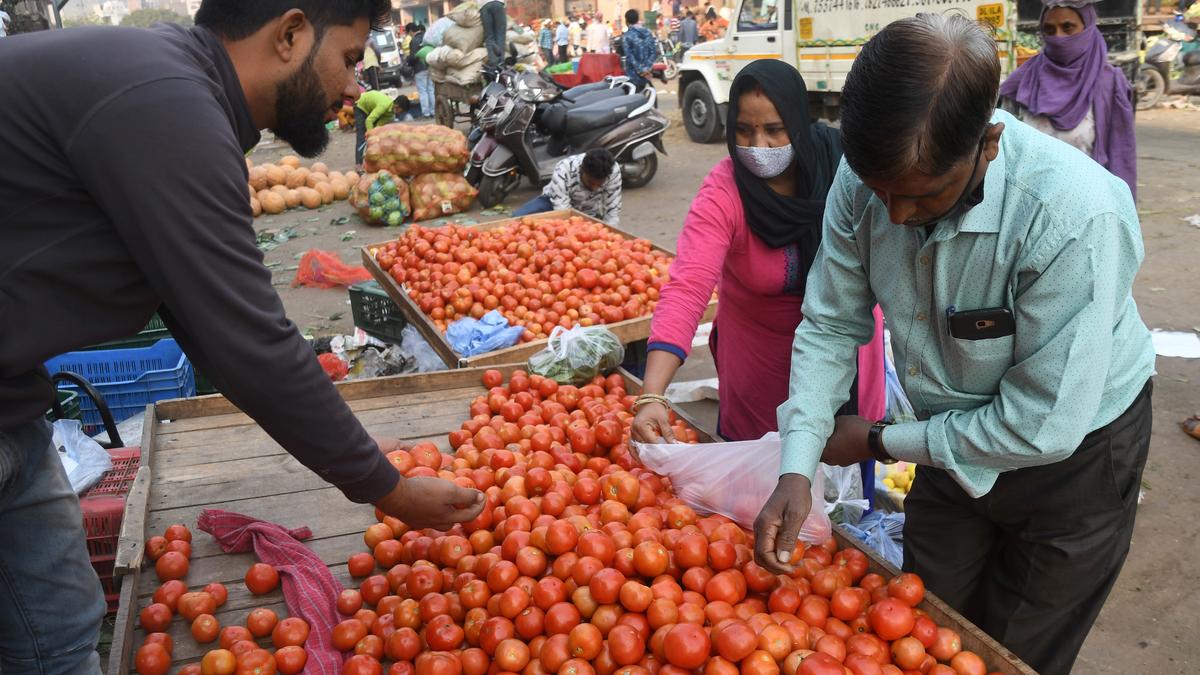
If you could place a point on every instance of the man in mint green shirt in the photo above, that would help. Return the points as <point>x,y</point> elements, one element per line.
<point>1003,261</point>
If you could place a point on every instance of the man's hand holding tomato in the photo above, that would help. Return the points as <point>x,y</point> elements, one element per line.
<point>778,524</point>
<point>424,501</point>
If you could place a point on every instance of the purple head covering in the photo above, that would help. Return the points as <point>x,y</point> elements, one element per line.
<point>1070,76</point>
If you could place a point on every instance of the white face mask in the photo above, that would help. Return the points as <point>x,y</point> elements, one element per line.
<point>766,162</point>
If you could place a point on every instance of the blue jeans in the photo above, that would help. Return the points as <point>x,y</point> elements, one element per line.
<point>425,91</point>
<point>539,204</point>
<point>51,603</point>
<point>495,23</point>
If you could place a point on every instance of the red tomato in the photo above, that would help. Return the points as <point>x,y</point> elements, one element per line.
<point>687,646</point>
<point>347,634</point>
<point>290,631</point>
<point>362,664</point>
<point>261,621</point>
<point>261,578</point>
<point>291,660</point>
<point>155,618</point>
<point>171,565</point>
<point>891,619</point>
<point>205,628</point>
<point>907,588</point>
<point>819,663</point>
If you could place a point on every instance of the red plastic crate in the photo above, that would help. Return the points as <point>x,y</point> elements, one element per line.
<point>103,565</point>
<point>104,504</point>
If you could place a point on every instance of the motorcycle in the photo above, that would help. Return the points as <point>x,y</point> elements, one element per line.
<point>1176,44</point>
<point>532,124</point>
<point>670,54</point>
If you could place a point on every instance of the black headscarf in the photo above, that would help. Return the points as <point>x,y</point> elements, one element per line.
<point>778,220</point>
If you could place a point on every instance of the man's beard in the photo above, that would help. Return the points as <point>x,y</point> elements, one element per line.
<point>300,108</point>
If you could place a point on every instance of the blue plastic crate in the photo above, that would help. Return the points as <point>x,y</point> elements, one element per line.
<point>129,379</point>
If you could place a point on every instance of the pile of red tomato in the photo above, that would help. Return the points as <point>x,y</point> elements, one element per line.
<point>583,563</point>
<point>538,273</point>
<point>238,650</point>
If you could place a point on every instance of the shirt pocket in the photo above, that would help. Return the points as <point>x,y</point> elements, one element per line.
<point>976,366</point>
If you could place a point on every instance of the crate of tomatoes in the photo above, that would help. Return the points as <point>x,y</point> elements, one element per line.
<point>560,268</point>
<point>583,562</point>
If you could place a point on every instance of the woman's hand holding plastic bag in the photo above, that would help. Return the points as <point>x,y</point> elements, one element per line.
<point>736,480</point>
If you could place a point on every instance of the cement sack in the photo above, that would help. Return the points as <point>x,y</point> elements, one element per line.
<point>463,38</point>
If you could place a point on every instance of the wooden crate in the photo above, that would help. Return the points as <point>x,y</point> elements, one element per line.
<point>203,453</point>
<point>630,330</point>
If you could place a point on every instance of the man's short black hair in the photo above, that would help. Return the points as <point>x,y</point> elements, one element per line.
<point>919,96</point>
<point>402,103</point>
<point>239,19</point>
<point>598,163</point>
<point>410,27</point>
<point>632,17</point>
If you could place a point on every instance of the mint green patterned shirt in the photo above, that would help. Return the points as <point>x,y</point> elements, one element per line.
<point>1056,240</point>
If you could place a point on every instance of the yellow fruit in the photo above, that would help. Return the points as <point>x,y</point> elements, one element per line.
<point>273,203</point>
<point>290,160</point>
<point>341,189</point>
<point>309,197</point>
<point>314,179</point>
<point>280,190</point>
<point>255,206</point>
<point>326,192</point>
<point>319,167</point>
<point>258,178</point>
<point>292,198</point>
<point>888,482</point>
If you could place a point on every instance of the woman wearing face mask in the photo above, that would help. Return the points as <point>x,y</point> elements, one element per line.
<point>751,234</point>
<point>1070,91</point>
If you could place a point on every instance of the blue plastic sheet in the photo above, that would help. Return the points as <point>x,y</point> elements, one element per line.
<point>883,532</point>
<point>470,336</point>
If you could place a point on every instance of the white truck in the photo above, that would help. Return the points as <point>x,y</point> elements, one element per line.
<point>819,37</point>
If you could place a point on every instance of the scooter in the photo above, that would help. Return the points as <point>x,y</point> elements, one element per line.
<point>527,130</point>
<point>669,55</point>
<point>1177,43</point>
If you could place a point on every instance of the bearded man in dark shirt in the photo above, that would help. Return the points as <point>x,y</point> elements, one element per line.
<point>131,199</point>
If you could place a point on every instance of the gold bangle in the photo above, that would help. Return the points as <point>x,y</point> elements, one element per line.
<point>651,398</point>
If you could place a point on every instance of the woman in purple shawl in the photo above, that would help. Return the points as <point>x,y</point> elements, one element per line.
<point>1070,91</point>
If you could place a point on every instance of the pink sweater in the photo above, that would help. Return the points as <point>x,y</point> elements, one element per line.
<point>758,311</point>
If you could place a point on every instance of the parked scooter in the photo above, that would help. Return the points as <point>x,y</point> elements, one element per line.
<point>1176,44</point>
<point>670,54</point>
<point>529,128</point>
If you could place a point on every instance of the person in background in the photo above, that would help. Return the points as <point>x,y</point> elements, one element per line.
<point>1070,91</point>
<point>420,69</point>
<point>713,27</point>
<point>676,8</point>
<point>375,109</point>
<point>689,32</point>
<point>370,64</point>
<point>641,50</point>
<point>597,36</point>
<point>589,182</point>
<point>752,233</point>
<point>546,42</point>
<point>140,178</point>
<point>576,32</point>
<point>562,40</point>
<point>495,25</point>
<point>4,21</point>
<point>1004,263</point>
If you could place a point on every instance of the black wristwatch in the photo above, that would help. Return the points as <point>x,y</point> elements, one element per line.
<point>875,443</point>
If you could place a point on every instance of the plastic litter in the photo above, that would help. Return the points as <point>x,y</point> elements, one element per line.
<point>733,479</point>
<point>470,336</point>
<point>83,458</point>
<point>883,532</point>
<point>843,494</point>
<point>324,269</point>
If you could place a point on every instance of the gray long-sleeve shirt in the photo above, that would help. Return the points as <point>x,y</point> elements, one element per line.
<point>122,192</point>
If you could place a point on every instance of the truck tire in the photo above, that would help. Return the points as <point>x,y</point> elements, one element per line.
<point>700,114</point>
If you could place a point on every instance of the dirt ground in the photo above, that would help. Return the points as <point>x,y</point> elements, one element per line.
<point>1148,623</point>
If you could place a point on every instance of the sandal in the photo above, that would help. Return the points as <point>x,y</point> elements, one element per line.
<point>1191,426</point>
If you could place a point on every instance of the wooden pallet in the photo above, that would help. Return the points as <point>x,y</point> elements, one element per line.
<point>203,453</point>
<point>630,330</point>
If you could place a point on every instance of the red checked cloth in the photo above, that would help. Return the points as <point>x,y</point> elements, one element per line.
<point>308,587</point>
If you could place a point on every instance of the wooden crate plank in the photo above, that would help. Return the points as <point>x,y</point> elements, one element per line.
<point>357,406</point>
<point>131,538</point>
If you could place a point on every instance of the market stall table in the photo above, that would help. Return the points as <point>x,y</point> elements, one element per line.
<point>203,453</point>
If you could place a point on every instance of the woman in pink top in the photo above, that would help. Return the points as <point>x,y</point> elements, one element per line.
<point>752,233</point>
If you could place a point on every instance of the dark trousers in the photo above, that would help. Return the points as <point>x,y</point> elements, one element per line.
<point>372,75</point>
<point>495,23</point>
<point>360,134</point>
<point>563,56</point>
<point>1033,560</point>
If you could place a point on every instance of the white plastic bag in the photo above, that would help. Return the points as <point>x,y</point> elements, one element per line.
<point>899,408</point>
<point>83,458</point>
<point>576,355</point>
<point>844,500</point>
<point>733,479</point>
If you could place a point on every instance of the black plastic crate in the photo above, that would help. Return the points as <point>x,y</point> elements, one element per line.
<point>375,312</point>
